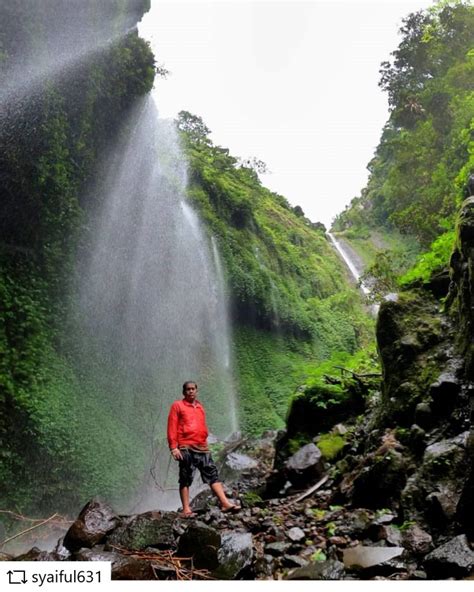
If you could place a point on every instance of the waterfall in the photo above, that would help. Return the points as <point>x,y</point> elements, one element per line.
<point>347,260</point>
<point>374,308</point>
<point>146,308</point>
<point>151,302</point>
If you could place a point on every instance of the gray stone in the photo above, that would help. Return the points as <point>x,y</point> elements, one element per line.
<point>320,570</point>
<point>446,449</point>
<point>61,552</point>
<point>295,534</point>
<point>305,466</point>
<point>363,557</point>
<point>277,548</point>
<point>306,457</point>
<point>453,559</point>
<point>240,462</point>
<point>95,520</point>
<point>234,555</point>
<point>293,561</point>
<point>202,543</point>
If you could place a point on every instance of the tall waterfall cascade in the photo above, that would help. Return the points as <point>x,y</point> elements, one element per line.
<point>152,299</point>
<point>147,305</point>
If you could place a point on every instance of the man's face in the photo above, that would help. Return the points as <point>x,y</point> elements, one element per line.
<point>190,392</point>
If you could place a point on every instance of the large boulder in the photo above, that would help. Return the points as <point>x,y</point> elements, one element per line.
<point>152,529</point>
<point>305,466</point>
<point>408,332</point>
<point>234,555</point>
<point>461,294</point>
<point>433,491</point>
<point>454,559</point>
<point>94,522</point>
<point>201,543</point>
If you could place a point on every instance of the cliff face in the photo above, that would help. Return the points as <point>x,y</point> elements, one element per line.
<point>57,114</point>
<point>425,408</point>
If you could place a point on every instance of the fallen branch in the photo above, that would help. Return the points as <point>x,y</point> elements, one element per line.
<point>310,490</point>
<point>358,376</point>
<point>15,536</point>
<point>61,520</point>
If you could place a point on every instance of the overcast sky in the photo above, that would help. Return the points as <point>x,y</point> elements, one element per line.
<point>294,84</point>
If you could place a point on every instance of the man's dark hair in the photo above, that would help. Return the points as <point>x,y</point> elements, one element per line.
<point>189,382</point>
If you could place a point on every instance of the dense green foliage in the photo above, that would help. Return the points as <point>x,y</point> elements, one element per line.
<point>53,454</point>
<point>334,391</point>
<point>280,268</point>
<point>426,153</point>
<point>288,288</point>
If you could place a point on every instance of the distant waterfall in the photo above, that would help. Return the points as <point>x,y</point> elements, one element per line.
<point>152,302</point>
<point>374,308</point>
<point>347,260</point>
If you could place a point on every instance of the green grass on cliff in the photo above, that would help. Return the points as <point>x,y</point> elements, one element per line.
<point>291,302</point>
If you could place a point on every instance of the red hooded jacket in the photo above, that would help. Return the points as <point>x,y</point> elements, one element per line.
<point>187,425</point>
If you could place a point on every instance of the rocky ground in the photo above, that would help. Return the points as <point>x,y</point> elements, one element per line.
<point>300,533</point>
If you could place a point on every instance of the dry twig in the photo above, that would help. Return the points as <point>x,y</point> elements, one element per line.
<point>15,536</point>
<point>168,559</point>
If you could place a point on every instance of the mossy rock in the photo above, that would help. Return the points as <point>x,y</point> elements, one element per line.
<point>410,338</point>
<point>331,445</point>
<point>152,529</point>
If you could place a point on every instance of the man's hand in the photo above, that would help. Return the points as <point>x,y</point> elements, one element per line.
<point>176,454</point>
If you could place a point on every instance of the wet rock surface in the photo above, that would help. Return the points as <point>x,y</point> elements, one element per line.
<point>93,523</point>
<point>305,535</point>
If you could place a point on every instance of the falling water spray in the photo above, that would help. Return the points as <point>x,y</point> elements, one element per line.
<point>152,301</point>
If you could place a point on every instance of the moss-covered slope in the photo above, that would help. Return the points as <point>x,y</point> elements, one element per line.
<point>292,304</point>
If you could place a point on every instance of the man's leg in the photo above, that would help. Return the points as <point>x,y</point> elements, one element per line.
<point>186,475</point>
<point>207,468</point>
<point>218,491</point>
<point>184,495</point>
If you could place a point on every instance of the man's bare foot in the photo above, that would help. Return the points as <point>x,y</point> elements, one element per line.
<point>189,514</point>
<point>232,508</point>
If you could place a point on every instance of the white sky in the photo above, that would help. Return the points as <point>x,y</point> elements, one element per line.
<point>294,84</point>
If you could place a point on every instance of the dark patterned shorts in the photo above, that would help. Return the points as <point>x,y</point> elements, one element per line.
<point>196,460</point>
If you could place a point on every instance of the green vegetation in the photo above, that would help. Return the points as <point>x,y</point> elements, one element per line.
<point>334,391</point>
<point>288,288</point>
<point>331,445</point>
<point>426,152</point>
<point>59,442</point>
<point>433,260</point>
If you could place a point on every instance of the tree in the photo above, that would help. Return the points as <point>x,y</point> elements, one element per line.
<point>194,127</point>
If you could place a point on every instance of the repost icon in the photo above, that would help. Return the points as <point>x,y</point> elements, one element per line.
<point>17,576</point>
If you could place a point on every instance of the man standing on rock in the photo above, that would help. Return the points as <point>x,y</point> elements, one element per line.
<point>187,439</point>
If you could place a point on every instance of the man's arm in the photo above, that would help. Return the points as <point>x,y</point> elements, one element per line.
<point>173,422</point>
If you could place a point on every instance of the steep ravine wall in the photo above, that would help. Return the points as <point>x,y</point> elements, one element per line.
<point>52,450</point>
